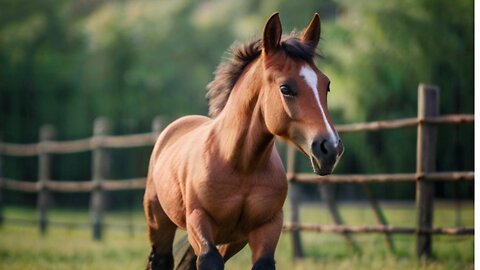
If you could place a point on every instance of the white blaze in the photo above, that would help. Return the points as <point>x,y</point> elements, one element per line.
<point>311,79</point>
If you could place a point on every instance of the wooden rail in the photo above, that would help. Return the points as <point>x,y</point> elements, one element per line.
<point>289,227</point>
<point>72,186</point>
<point>75,146</point>
<point>380,178</point>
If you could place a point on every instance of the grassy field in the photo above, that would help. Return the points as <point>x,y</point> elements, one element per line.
<point>21,247</point>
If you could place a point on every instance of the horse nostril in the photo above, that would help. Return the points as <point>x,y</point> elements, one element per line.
<point>323,147</point>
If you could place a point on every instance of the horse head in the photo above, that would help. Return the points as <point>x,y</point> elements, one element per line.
<point>295,94</point>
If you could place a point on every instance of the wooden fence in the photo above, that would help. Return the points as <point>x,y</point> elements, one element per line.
<point>98,145</point>
<point>101,141</point>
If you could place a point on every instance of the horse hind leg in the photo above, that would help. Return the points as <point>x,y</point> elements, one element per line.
<point>161,233</point>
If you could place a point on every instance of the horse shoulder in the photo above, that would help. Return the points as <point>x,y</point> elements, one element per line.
<point>167,164</point>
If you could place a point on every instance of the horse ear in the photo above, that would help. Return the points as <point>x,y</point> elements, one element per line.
<point>272,34</point>
<point>312,33</point>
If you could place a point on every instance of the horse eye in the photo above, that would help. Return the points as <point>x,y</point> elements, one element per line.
<point>328,87</point>
<point>287,90</point>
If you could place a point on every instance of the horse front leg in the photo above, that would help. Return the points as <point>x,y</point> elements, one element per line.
<point>200,236</point>
<point>263,242</point>
<point>161,233</point>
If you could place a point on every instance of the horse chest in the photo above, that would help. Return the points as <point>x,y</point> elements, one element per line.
<point>243,202</point>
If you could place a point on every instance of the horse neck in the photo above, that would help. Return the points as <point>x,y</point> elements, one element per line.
<point>244,140</point>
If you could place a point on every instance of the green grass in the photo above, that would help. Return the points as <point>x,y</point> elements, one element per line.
<point>21,247</point>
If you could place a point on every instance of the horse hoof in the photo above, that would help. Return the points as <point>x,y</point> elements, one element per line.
<point>211,260</point>
<point>264,264</point>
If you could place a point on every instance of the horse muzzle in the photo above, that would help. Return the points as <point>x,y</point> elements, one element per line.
<point>325,155</point>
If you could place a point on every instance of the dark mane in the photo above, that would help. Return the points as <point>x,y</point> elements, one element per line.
<point>230,69</point>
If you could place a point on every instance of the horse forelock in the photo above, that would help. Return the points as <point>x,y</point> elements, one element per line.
<point>230,69</point>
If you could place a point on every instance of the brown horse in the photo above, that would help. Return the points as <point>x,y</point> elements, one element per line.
<point>221,178</point>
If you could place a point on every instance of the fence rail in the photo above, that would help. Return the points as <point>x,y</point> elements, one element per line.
<point>380,178</point>
<point>72,186</point>
<point>139,183</point>
<point>75,146</point>
<point>375,229</point>
<point>101,141</point>
<point>406,122</point>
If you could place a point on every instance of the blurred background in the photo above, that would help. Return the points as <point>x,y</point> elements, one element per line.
<point>67,62</point>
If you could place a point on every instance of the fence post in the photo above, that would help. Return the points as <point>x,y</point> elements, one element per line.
<point>100,166</point>
<point>428,97</point>
<point>294,195</point>
<point>47,133</point>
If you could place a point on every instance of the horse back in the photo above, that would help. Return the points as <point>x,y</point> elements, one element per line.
<point>175,131</point>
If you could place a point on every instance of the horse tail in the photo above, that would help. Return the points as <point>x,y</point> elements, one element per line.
<point>184,256</point>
